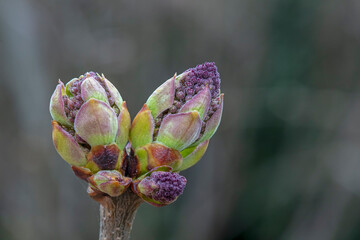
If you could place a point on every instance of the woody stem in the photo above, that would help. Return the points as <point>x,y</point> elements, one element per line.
<point>116,217</point>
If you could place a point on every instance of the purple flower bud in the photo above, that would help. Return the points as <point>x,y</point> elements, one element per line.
<point>195,79</point>
<point>177,104</point>
<point>173,109</point>
<point>190,91</point>
<point>163,187</point>
<point>197,88</point>
<point>180,95</point>
<point>188,83</point>
<point>204,73</point>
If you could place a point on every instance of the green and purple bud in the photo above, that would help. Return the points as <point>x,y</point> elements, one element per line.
<point>182,115</point>
<point>160,188</point>
<point>111,182</point>
<point>90,122</point>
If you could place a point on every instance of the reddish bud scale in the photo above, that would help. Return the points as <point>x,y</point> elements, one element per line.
<point>130,165</point>
<point>105,157</point>
<point>82,173</point>
<point>164,155</point>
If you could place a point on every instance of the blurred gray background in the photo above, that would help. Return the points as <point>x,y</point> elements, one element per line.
<point>284,163</point>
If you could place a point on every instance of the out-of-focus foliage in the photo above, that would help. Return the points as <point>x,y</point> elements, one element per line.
<point>284,163</point>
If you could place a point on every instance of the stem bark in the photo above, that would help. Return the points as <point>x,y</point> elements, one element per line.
<point>117,216</point>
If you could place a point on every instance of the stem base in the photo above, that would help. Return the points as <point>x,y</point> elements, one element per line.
<point>117,216</point>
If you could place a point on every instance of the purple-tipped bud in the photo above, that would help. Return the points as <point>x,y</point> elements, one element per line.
<point>202,75</point>
<point>90,85</point>
<point>196,89</point>
<point>162,187</point>
<point>199,78</point>
<point>89,120</point>
<point>182,113</point>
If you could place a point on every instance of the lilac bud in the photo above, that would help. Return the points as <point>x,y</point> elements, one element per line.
<point>202,75</point>
<point>195,80</point>
<point>180,94</point>
<point>190,91</point>
<point>162,188</point>
<point>173,109</point>
<point>90,127</point>
<point>197,88</point>
<point>181,109</point>
<point>112,182</point>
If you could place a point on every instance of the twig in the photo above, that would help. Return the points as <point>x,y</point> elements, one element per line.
<point>117,216</point>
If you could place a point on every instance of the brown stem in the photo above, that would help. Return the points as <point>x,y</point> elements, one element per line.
<point>117,216</point>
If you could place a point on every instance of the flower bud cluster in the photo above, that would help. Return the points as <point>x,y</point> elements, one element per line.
<point>93,132</point>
